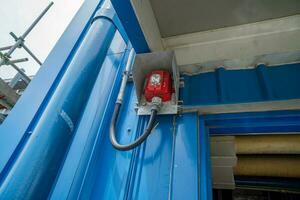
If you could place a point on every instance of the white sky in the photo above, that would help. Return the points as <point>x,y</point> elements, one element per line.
<point>17,15</point>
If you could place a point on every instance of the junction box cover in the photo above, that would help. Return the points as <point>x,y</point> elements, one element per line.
<point>157,67</point>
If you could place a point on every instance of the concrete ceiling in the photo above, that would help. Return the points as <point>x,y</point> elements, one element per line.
<point>176,17</point>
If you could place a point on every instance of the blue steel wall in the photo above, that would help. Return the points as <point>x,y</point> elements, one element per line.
<point>155,170</point>
<point>173,163</point>
<point>264,83</point>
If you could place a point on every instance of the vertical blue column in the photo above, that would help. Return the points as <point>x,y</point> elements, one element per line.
<point>33,172</point>
<point>205,192</point>
<point>185,180</point>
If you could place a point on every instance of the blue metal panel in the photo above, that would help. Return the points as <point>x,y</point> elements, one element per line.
<point>166,165</point>
<point>185,182</point>
<point>129,20</point>
<point>153,170</point>
<point>254,123</point>
<point>284,81</point>
<point>110,170</point>
<point>242,86</point>
<point>16,124</point>
<point>112,174</point>
<point>95,115</point>
<point>204,88</point>
<point>258,115</point>
<point>205,191</point>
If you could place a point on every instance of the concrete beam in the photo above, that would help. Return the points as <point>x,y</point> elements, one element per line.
<point>238,42</point>
<point>293,104</point>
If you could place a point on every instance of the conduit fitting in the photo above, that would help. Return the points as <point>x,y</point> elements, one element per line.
<point>156,103</point>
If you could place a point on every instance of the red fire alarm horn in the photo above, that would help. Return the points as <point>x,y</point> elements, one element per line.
<point>158,84</point>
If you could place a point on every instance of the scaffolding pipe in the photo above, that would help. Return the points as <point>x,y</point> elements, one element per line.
<point>19,60</point>
<point>36,21</point>
<point>5,48</point>
<point>26,49</point>
<point>20,40</point>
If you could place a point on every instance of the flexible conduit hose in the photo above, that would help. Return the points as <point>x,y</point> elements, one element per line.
<point>139,140</point>
<point>112,132</point>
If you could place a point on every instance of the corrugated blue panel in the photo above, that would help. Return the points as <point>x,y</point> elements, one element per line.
<point>151,178</point>
<point>254,123</point>
<point>185,181</point>
<point>204,85</point>
<point>88,129</point>
<point>112,174</point>
<point>109,170</point>
<point>242,86</point>
<point>166,166</point>
<point>284,81</point>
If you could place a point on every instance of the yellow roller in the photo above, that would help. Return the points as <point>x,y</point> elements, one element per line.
<point>272,166</point>
<point>268,144</point>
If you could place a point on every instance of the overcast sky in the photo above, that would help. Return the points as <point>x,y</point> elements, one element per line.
<point>17,15</point>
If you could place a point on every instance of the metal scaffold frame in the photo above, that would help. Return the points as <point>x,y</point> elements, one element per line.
<point>20,43</point>
<point>9,96</point>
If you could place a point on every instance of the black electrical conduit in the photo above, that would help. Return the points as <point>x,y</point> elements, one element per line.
<point>112,132</point>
